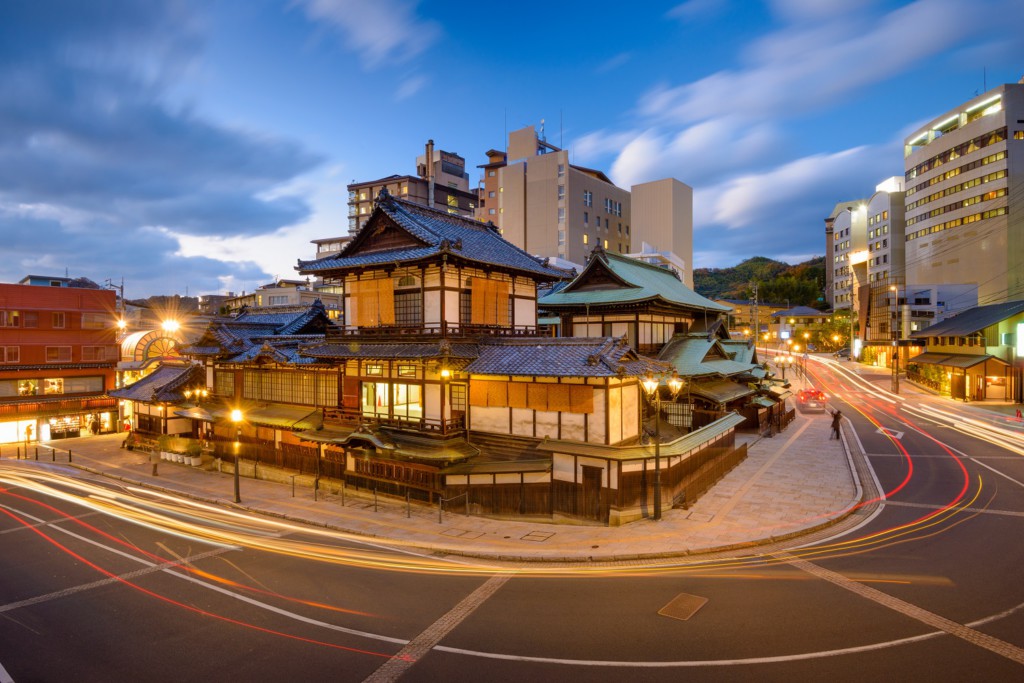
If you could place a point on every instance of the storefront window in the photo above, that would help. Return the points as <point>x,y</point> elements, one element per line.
<point>54,385</point>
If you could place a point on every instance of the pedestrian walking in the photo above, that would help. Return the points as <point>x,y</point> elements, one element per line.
<point>837,417</point>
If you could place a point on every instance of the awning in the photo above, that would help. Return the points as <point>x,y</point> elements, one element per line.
<point>499,467</point>
<point>287,417</point>
<point>342,437</point>
<point>780,393</point>
<point>929,358</point>
<point>720,392</point>
<point>954,360</point>
<point>196,413</point>
<point>963,360</point>
<point>762,401</point>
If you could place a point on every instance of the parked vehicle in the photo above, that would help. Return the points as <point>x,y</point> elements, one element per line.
<point>842,354</point>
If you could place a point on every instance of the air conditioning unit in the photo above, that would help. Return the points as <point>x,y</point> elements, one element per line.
<point>1008,339</point>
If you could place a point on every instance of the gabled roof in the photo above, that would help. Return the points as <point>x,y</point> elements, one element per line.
<point>972,320</point>
<point>609,279</point>
<point>798,312</point>
<point>414,233</point>
<point>281,328</point>
<point>166,384</point>
<point>562,357</point>
<point>695,355</point>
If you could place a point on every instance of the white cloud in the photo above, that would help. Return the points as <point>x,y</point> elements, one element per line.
<point>410,87</point>
<point>380,32</point>
<point>614,62</point>
<point>696,9</point>
<point>805,67</point>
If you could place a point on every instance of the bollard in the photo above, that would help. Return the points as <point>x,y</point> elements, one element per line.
<point>374,498</point>
<point>342,494</point>
<point>69,456</point>
<point>408,508</point>
<point>19,453</point>
<point>440,509</point>
<point>293,485</point>
<point>37,453</point>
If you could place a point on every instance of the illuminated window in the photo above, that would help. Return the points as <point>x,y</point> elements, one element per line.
<point>586,238</point>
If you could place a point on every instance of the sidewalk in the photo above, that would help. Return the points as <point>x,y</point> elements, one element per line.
<point>793,483</point>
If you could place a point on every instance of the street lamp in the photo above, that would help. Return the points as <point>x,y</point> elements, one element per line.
<point>650,385</point>
<point>783,362</point>
<point>236,417</point>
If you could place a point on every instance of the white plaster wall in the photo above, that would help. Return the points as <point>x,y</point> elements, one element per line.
<point>526,312</point>
<point>630,411</point>
<point>451,307</point>
<point>596,427</point>
<point>547,424</point>
<point>615,414</point>
<point>432,401</point>
<point>562,467</point>
<point>522,422</point>
<point>490,419</point>
<point>572,426</point>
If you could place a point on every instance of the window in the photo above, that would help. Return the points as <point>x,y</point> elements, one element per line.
<point>31,319</point>
<point>588,198</point>
<point>224,384</point>
<point>489,302</point>
<point>561,214</point>
<point>408,301</point>
<point>406,370</point>
<point>491,194</point>
<point>398,400</point>
<point>9,319</point>
<point>95,321</point>
<point>561,169</point>
<point>586,238</point>
<point>53,385</point>
<point>374,369</point>
<point>10,354</point>
<point>94,353</point>
<point>278,300</point>
<point>490,212</point>
<point>606,244</point>
<point>58,354</point>
<point>490,174</point>
<point>81,385</point>
<point>586,218</point>
<point>561,191</point>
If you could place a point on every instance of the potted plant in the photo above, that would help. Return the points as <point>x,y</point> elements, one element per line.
<point>195,453</point>
<point>163,444</point>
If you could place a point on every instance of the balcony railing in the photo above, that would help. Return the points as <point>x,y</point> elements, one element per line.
<point>433,330</point>
<point>353,416</point>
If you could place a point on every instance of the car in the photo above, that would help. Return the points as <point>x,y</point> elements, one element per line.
<point>811,400</point>
<point>842,354</point>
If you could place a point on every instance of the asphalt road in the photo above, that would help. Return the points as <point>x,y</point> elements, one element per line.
<point>99,583</point>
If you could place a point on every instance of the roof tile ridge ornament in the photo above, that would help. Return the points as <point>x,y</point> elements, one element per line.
<point>382,196</point>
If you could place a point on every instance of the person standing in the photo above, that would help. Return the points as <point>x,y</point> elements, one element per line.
<point>837,417</point>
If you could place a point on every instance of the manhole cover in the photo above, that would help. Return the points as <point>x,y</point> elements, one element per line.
<point>538,536</point>
<point>683,606</point>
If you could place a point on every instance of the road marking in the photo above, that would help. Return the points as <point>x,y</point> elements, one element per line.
<point>41,522</point>
<point>999,647</point>
<point>894,433</point>
<point>4,676</point>
<point>419,646</point>
<point>980,511</point>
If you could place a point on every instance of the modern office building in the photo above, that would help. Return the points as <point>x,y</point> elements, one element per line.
<point>964,203</point>
<point>662,215</point>
<point>440,182</point>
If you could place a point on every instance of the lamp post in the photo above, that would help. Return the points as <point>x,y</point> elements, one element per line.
<point>650,385</point>
<point>783,362</point>
<point>236,417</point>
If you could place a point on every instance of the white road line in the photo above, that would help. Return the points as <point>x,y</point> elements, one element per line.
<point>419,646</point>
<point>990,643</point>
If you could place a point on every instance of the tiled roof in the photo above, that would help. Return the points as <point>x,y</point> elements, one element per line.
<point>694,355</point>
<point>720,391</point>
<point>561,357</point>
<point>165,384</point>
<point>438,232</point>
<point>243,335</point>
<point>798,312</point>
<point>972,320</point>
<point>409,350</point>
<point>640,282</point>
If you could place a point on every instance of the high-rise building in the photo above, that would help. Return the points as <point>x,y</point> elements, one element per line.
<point>548,206</point>
<point>965,196</point>
<point>441,182</point>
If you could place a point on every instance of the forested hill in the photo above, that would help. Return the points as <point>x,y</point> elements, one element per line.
<point>777,282</point>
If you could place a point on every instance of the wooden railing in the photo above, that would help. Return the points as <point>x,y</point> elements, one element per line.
<point>431,330</point>
<point>354,416</point>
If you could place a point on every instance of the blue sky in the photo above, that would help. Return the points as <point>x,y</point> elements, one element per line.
<point>190,146</point>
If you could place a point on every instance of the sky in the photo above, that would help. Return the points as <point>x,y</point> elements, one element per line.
<point>192,147</point>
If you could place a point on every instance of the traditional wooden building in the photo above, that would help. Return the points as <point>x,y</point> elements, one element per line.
<point>438,384</point>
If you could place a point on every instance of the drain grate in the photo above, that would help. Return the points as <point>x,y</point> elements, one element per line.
<point>538,536</point>
<point>683,606</point>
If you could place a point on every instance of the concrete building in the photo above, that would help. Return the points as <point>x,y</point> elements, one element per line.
<point>58,352</point>
<point>289,293</point>
<point>548,206</point>
<point>440,182</point>
<point>964,182</point>
<point>662,214</point>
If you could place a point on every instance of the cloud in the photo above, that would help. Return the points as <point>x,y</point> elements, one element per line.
<point>379,32</point>
<point>410,87</point>
<point>803,67</point>
<point>693,10</point>
<point>92,150</point>
<point>613,63</point>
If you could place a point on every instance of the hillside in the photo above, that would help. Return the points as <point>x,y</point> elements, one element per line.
<point>777,282</point>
